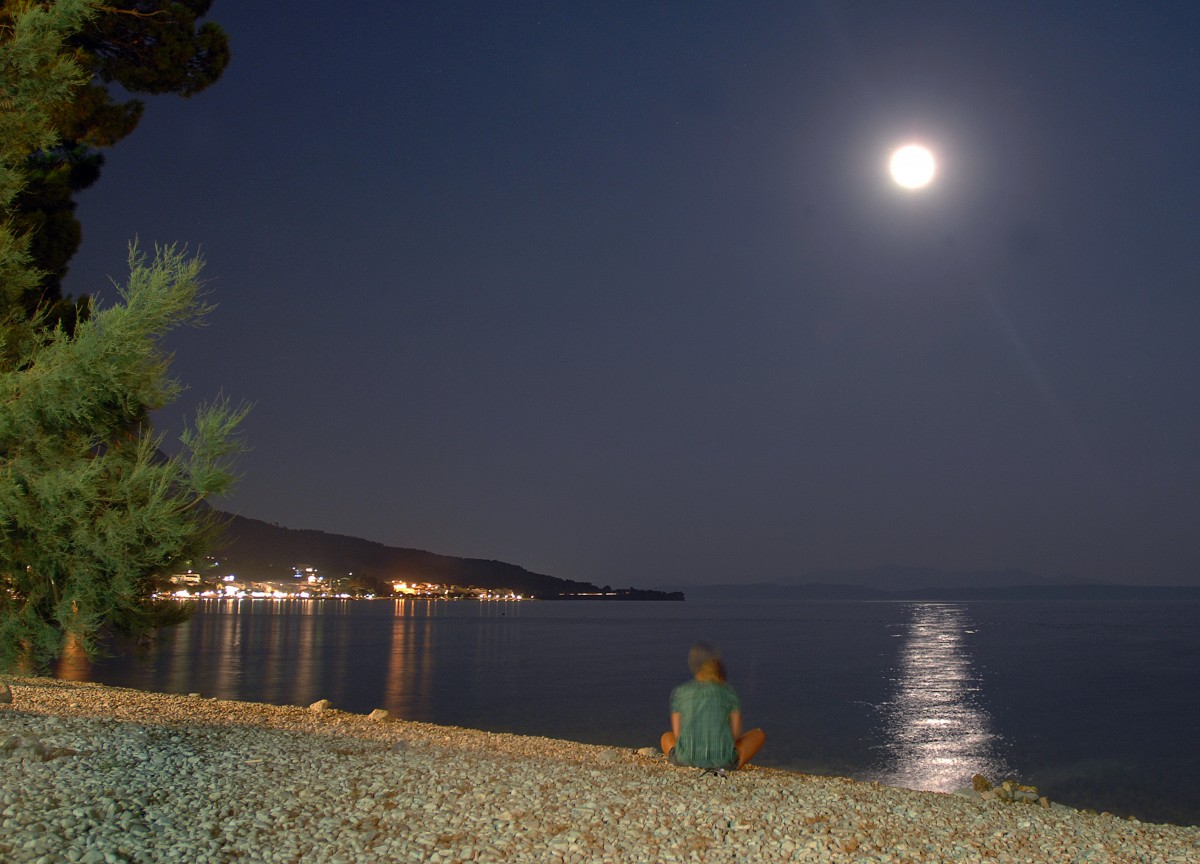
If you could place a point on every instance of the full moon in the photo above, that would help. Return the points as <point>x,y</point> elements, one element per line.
<point>912,166</point>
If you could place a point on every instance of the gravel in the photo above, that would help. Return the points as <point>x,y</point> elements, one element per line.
<point>100,775</point>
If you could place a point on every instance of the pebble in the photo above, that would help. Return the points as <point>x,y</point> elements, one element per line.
<point>100,775</point>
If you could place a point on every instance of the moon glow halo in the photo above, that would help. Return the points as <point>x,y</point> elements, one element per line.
<point>912,166</point>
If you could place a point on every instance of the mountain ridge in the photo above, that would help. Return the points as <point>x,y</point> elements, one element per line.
<point>818,591</point>
<point>897,582</point>
<point>262,550</point>
<point>897,577</point>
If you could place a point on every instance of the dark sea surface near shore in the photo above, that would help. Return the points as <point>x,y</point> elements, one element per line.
<point>1094,702</point>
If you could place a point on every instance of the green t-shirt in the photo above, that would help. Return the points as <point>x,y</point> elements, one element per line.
<point>705,739</point>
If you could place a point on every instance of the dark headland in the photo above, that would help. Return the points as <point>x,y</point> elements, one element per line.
<point>257,550</point>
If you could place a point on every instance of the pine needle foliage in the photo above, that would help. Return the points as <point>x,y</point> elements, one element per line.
<point>127,47</point>
<point>93,515</point>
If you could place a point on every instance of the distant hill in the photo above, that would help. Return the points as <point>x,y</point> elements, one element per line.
<point>818,591</point>
<point>891,577</point>
<point>259,550</point>
<point>923,583</point>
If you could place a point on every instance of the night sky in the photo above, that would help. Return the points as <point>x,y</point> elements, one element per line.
<point>623,292</point>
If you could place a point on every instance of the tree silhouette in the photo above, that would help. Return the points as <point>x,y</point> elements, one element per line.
<point>144,46</point>
<point>92,514</point>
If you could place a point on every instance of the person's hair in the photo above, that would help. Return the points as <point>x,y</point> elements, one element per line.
<point>705,661</point>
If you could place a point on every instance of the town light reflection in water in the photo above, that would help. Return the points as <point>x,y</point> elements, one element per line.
<point>410,669</point>
<point>938,734</point>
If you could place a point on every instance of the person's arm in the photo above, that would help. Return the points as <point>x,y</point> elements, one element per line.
<point>735,724</point>
<point>676,721</point>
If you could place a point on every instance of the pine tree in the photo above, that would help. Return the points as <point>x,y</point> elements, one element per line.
<point>144,46</point>
<point>93,515</point>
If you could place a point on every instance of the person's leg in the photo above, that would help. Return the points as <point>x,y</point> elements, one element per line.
<point>749,744</point>
<point>667,741</point>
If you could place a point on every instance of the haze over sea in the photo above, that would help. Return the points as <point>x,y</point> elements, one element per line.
<point>1092,701</point>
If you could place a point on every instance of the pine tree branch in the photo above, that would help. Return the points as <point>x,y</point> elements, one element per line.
<point>132,13</point>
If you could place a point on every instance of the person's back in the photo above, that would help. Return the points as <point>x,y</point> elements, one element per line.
<point>705,737</point>
<point>706,718</point>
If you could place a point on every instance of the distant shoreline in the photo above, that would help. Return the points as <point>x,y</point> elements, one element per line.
<point>635,595</point>
<point>827,591</point>
<point>149,776</point>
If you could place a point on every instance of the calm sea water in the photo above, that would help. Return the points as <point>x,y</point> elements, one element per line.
<point>1096,703</point>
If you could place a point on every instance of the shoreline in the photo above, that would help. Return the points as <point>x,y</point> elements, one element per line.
<point>94,773</point>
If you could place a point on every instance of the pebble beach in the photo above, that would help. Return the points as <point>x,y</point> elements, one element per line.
<point>94,774</point>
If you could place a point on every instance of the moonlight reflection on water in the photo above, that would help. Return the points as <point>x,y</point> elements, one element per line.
<point>937,734</point>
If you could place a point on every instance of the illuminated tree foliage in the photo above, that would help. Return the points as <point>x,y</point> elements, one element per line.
<point>145,46</point>
<point>92,514</point>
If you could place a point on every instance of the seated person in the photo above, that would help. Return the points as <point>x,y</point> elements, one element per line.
<point>706,718</point>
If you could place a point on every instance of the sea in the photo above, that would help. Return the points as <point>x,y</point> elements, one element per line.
<point>1094,702</point>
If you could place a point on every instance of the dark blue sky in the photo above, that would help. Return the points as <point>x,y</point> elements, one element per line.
<point>622,292</point>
